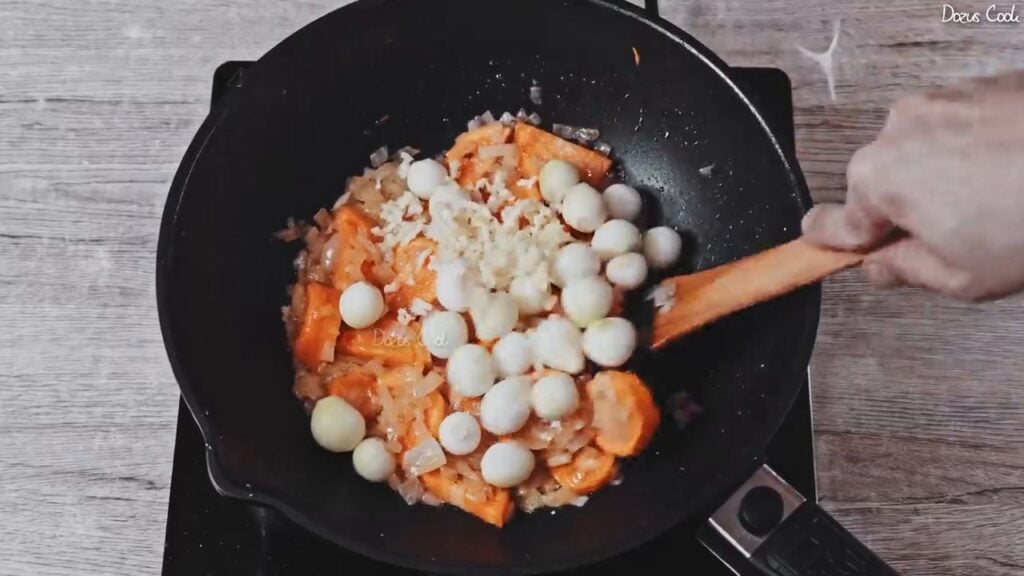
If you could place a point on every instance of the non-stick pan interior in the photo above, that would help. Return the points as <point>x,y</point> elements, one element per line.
<point>399,73</point>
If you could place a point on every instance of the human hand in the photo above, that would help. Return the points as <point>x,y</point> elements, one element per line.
<point>947,175</point>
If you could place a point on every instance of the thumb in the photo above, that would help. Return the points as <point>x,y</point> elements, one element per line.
<point>909,262</point>
<point>844,226</point>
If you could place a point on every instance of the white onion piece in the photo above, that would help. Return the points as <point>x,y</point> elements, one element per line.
<point>662,246</point>
<point>424,176</point>
<point>506,464</point>
<point>512,354</point>
<point>506,406</point>
<point>554,396</point>
<point>443,332</point>
<point>587,300</point>
<point>493,314</point>
<point>572,261</point>
<point>427,384</point>
<point>610,342</point>
<point>531,297</point>
<point>623,202</point>
<point>583,208</point>
<point>361,305</point>
<point>459,433</point>
<point>555,179</point>
<point>372,460</point>
<point>446,198</point>
<point>471,370</point>
<point>627,270</point>
<point>426,456</point>
<point>557,343</point>
<point>456,283</point>
<point>614,238</point>
<point>336,425</point>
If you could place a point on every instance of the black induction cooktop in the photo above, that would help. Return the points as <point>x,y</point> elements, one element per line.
<point>212,535</point>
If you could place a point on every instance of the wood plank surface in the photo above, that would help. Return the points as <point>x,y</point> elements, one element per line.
<point>918,401</point>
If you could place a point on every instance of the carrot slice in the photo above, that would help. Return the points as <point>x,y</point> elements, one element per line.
<point>415,279</point>
<point>356,254</point>
<point>359,390</point>
<point>321,323</point>
<point>468,142</point>
<point>589,470</point>
<point>625,415</point>
<point>536,147</point>
<point>388,340</point>
<point>432,418</point>
<point>495,511</point>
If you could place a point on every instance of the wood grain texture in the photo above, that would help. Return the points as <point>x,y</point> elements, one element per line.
<point>919,402</point>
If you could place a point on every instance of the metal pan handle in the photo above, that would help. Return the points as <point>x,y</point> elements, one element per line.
<point>652,7</point>
<point>782,534</point>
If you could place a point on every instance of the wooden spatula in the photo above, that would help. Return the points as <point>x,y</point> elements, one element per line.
<point>703,297</point>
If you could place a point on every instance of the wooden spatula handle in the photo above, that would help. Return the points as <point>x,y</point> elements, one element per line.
<point>706,296</point>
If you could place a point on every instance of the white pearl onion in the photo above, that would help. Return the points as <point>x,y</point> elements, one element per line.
<point>614,238</point>
<point>447,196</point>
<point>586,300</point>
<point>662,246</point>
<point>493,314</point>
<point>424,176</point>
<point>555,179</point>
<point>623,202</point>
<point>531,297</point>
<point>572,261</point>
<point>361,305</point>
<point>554,396</point>
<point>470,370</point>
<point>557,343</point>
<point>459,433</point>
<point>336,425</point>
<point>583,208</point>
<point>512,355</point>
<point>506,406</point>
<point>456,283</point>
<point>627,270</point>
<point>506,464</point>
<point>372,460</point>
<point>609,342</point>
<point>443,332</point>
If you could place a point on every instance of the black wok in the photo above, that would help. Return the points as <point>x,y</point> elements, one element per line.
<point>283,141</point>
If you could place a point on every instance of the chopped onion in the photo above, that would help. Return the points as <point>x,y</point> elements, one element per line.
<point>406,150</point>
<point>664,296</point>
<point>411,490</point>
<point>584,135</point>
<point>507,118</point>
<point>603,148</point>
<point>496,150</point>
<point>533,118</point>
<point>426,456</point>
<point>536,95</point>
<point>559,460</point>
<point>379,156</point>
<point>706,170</point>
<point>473,124</point>
<point>521,115</point>
<point>487,118</point>
<point>427,384</point>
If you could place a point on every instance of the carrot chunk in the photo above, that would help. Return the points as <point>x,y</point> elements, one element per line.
<point>589,470</point>
<point>469,142</point>
<point>495,511</point>
<point>356,251</point>
<point>537,147</point>
<point>359,390</point>
<point>625,415</point>
<point>321,323</point>
<point>415,279</point>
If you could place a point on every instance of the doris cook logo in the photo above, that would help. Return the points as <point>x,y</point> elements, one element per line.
<point>994,13</point>
<point>388,340</point>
